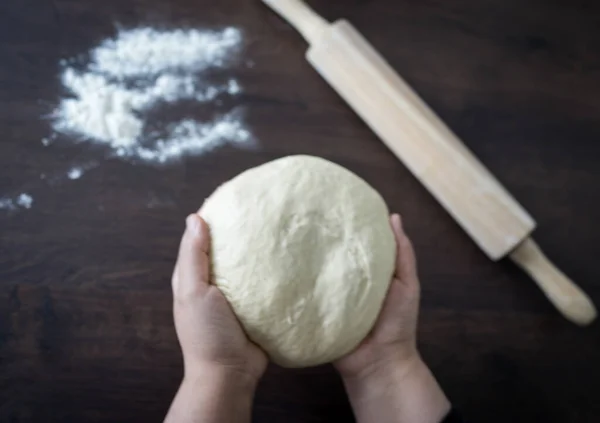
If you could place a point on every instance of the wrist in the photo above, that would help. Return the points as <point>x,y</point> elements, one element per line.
<point>219,380</point>
<point>379,363</point>
<point>389,370</point>
<point>398,390</point>
<point>212,395</point>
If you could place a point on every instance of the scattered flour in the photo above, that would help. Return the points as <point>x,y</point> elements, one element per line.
<point>138,70</point>
<point>233,87</point>
<point>110,97</point>
<point>75,173</point>
<point>145,51</point>
<point>184,138</point>
<point>7,203</point>
<point>23,200</point>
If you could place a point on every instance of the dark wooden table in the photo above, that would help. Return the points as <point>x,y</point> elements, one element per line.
<point>86,331</point>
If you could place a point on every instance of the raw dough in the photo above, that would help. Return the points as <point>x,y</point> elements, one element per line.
<point>303,250</point>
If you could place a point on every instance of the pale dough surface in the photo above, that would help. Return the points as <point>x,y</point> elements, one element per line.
<point>303,250</point>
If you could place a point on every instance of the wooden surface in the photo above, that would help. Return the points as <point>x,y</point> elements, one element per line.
<point>86,331</point>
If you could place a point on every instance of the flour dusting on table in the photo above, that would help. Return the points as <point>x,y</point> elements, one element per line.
<point>75,173</point>
<point>138,70</point>
<point>115,98</point>
<point>24,201</point>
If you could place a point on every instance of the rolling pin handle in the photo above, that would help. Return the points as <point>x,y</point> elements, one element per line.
<point>300,16</point>
<point>566,296</point>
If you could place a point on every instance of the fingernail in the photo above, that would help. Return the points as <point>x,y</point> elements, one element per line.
<point>192,224</point>
<point>397,222</point>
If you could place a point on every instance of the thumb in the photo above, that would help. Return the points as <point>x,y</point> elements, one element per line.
<point>192,271</point>
<point>406,262</point>
<point>401,304</point>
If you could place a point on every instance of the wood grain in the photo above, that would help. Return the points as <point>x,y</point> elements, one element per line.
<point>85,308</point>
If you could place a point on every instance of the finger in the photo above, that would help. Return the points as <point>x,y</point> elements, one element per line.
<point>390,308</point>
<point>190,226</point>
<point>192,269</point>
<point>406,263</point>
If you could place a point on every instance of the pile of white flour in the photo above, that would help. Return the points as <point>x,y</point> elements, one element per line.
<point>134,72</point>
<point>109,98</point>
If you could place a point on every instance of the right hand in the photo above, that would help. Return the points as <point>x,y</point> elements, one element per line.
<point>392,342</point>
<point>211,337</point>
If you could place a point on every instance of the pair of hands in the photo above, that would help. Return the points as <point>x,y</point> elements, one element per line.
<point>214,343</point>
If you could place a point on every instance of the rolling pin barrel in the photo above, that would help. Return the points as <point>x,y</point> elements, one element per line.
<point>431,151</point>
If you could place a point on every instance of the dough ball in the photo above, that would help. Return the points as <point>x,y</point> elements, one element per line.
<point>303,250</point>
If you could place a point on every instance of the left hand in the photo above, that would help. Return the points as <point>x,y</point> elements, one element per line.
<point>393,339</point>
<point>212,340</point>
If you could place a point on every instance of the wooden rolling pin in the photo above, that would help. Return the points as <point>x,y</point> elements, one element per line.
<point>419,138</point>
